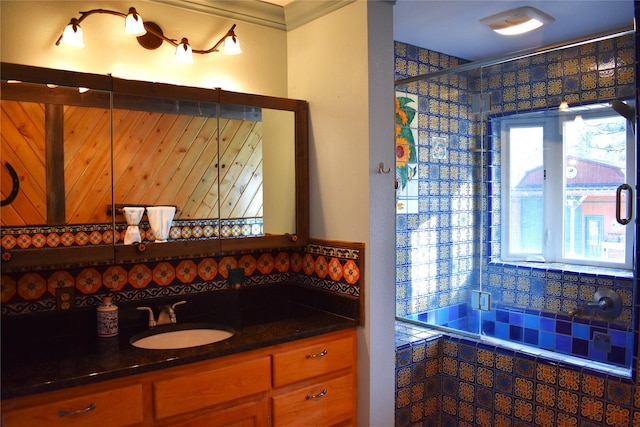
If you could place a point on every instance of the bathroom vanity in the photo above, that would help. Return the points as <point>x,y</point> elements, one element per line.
<point>285,363</point>
<point>312,379</point>
<point>79,148</point>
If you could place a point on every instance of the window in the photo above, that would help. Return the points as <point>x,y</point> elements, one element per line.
<point>561,171</point>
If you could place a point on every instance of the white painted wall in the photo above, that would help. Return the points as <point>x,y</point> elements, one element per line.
<point>380,280</point>
<point>342,64</point>
<point>29,30</point>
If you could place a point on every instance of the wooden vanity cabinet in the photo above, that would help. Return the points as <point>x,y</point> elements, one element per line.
<point>310,381</point>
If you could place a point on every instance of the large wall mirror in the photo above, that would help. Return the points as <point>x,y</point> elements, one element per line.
<point>78,148</point>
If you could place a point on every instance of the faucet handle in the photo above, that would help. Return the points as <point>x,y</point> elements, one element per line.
<point>174,305</point>
<point>172,313</point>
<point>152,321</point>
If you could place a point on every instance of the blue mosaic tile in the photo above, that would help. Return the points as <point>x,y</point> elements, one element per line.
<point>531,336</point>
<point>563,344</point>
<point>502,316</point>
<point>617,355</point>
<point>516,319</point>
<point>502,330</point>
<point>580,347</point>
<point>488,328</point>
<point>515,333</point>
<point>547,324</point>
<point>563,327</point>
<point>580,331</point>
<point>547,340</point>
<point>531,321</point>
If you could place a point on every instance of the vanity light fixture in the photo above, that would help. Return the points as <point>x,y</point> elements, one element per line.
<point>517,21</point>
<point>184,52</point>
<point>149,35</point>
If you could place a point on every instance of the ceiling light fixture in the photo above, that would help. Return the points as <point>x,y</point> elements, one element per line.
<point>517,21</point>
<point>149,35</point>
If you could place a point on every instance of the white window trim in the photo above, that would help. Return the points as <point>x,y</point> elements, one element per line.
<point>553,158</point>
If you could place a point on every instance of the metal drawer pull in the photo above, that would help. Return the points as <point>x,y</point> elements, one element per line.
<point>78,412</point>
<point>317,396</point>
<point>315,356</point>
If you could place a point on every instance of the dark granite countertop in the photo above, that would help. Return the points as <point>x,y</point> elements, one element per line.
<point>36,359</point>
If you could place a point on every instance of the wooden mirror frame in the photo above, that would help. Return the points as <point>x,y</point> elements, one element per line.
<point>102,254</point>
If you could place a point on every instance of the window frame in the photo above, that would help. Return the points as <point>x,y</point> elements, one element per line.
<point>553,220</point>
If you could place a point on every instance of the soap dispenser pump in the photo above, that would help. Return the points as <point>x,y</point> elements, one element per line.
<point>107,318</point>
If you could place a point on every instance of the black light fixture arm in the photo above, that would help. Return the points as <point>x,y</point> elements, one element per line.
<point>83,15</point>
<point>174,43</point>
<point>215,47</point>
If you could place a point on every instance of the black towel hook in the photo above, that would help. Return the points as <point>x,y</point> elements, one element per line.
<point>15,185</point>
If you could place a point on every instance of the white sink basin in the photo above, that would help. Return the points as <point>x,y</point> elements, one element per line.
<point>176,339</point>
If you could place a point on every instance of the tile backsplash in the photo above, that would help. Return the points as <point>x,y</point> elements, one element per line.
<point>330,267</point>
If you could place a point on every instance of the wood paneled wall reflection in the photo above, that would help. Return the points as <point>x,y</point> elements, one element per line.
<point>23,147</point>
<point>159,159</point>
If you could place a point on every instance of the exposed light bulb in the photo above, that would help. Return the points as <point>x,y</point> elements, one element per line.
<point>133,23</point>
<point>72,34</point>
<point>231,46</point>
<point>522,28</point>
<point>184,53</point>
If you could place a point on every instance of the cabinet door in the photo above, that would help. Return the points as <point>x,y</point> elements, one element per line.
<point>323,404</point>
<point>189,393</point>
<point>117,407</point>
<point>251,414</point>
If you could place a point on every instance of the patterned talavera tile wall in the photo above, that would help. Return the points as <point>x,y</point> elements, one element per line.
<point>440,200</point>
<point>478,383</point>
<point>332,268</point>
<point>456,382</point>
<point>437,174</point>
<point>593,72</point>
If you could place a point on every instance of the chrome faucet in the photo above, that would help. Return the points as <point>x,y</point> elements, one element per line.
<point>166,316</point>
<point>606,303</point>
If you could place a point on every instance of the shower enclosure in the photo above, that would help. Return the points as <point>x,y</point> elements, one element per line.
<point>515,198</point>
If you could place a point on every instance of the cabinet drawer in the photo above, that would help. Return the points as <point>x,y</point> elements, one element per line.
<point>191,392</point>
<point>323,404</point>
<point>251,414</point>
<point>117,407</point>
<point>312,360</point>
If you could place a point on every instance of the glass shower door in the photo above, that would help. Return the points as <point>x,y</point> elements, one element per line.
<point>437,201</point>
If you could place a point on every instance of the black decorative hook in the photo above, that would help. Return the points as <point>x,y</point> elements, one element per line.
<point>15,185</point>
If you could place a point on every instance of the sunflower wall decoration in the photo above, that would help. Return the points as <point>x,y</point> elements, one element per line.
<point>405,142</point>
